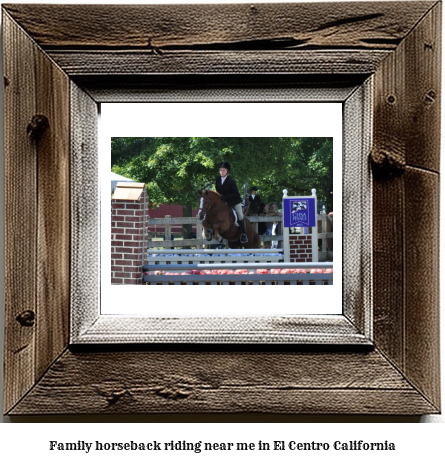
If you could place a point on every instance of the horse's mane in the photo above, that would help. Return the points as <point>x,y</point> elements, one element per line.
<point>214,193</point>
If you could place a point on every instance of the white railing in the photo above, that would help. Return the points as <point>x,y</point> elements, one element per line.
<point>168,222</point>
<point>325,233</point>
<point>169,257</point>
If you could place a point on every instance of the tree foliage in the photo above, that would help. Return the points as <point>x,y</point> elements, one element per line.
<point>173,168</point>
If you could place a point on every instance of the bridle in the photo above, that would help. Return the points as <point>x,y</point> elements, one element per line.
<point>204,206</point>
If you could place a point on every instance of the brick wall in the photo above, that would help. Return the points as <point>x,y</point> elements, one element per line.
<point>129,222</point>
<point>300,248</point>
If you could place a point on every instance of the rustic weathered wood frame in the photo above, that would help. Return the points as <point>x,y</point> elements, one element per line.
<point>90,321</point>
<point>76,56</point>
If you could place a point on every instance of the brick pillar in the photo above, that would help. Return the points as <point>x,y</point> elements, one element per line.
<point>129,222</point>
<point>300,247</point>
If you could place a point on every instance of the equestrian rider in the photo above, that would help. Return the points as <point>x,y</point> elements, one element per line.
<point>254,197</point>
<point>227,188</point>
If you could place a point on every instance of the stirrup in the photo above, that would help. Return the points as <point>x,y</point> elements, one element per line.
<point>243,238</point>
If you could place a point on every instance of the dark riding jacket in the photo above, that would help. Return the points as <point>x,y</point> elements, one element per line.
<point>228,190</point>
<point>256,200</point>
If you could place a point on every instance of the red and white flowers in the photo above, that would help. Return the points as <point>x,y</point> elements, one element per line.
<point>244,271</point>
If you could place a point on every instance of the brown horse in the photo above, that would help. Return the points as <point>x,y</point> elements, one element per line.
<point>216,215</point>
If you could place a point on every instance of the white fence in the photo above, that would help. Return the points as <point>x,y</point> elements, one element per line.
<point>199,241</point>
<point>324,222</point>
<point>170,257</point>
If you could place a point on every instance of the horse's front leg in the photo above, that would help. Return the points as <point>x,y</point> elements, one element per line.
<point>216,232</point>
<point>207,230</point>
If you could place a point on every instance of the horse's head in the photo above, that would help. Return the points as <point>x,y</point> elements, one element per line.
<point>205,203</point>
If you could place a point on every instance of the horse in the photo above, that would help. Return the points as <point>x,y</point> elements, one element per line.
<point>253,207</point>
<point>216,215</point>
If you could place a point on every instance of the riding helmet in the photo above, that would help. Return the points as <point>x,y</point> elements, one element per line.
<point>226,165</point>
<point>254,188</point>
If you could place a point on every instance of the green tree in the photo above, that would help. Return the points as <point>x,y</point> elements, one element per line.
<point>124,149</point>
<point>173,168</point>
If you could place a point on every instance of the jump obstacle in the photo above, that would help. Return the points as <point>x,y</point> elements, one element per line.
<point>292,264</point>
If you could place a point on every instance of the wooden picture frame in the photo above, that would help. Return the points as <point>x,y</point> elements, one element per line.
<point>56,72</point>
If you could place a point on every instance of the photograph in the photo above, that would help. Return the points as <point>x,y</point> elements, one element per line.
<point>203,206</point>
<point>173,216</point>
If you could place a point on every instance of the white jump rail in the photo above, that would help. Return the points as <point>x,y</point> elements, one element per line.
<point>150,278</point>
<point>166,257</point>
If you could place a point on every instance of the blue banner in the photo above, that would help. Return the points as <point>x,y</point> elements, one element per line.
<point>299,212</point>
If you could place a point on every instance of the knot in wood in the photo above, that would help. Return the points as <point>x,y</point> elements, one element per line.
<point>113,394</point>
<point>37,126</point>
<point>114,397</point>
<point>387,163</point>
<point>26,318</point>
<point>173,393</point>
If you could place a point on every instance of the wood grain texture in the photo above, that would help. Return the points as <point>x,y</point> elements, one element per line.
<point>219,88</point>
<point>407,113</point>
<point>53,201</point>
<point>371,25</point>
<point>423,92</point>
<point>407,133</point>
<point>85,210</point>
<point>224,39</point>
<point>389,144</point>
<point>20,213</point>
<point>222,382</point>
<point>422,281</point>
<point>388,268</point>
<point>38,221</point>
<point>79,63</point>
<point>357,208</point>
<point>109,329</point>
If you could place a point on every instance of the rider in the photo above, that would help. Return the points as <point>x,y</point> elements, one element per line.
<point>254,197</point>
<point>227,188</point>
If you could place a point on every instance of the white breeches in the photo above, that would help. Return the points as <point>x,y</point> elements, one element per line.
<point>239,211</point>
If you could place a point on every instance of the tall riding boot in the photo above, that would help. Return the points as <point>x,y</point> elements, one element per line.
<point>243,238</point>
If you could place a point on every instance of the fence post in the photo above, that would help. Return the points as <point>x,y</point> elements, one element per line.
<point>129,224</point>
<point>167,229</point>
<point>198,230</point>
<point>301,247</point>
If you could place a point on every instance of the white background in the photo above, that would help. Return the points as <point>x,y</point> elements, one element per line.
<point>26,443</point>
<point>220,120</point>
